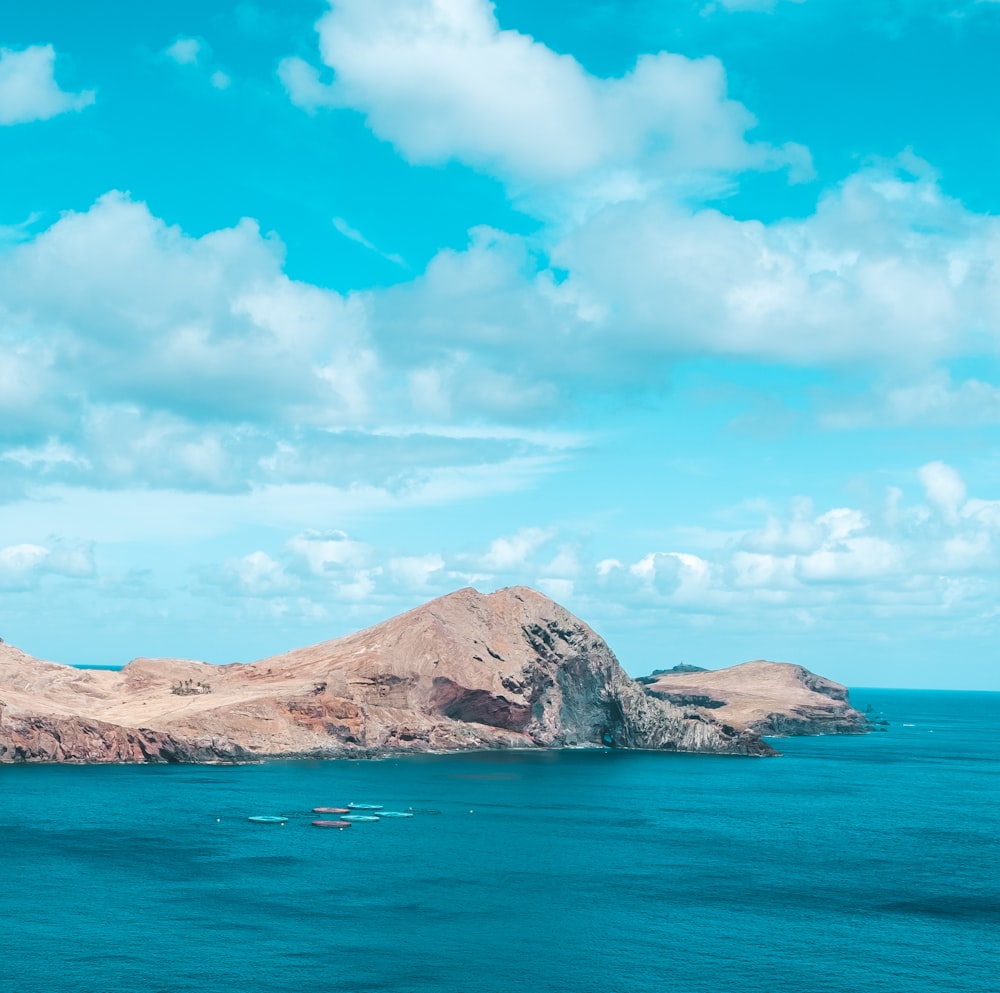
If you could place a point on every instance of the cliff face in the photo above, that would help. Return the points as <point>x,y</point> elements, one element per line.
<point>512,669</point>
<point>771,698</point>
<point>45,738</point>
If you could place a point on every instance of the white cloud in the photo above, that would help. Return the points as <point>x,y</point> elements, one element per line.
<point>28,89</point>
<point>560,590</point>
<point>124,443</point>
<point>565,564</point>
<point>511,553</point>
<point>51,453</point>
<point>196,362</point>
<point>17,561</point>
<point>679,575</point>
<point>353,234</point>
<point>659,571</point>
<point>154,332</point>
<point>930,399</point>
<point>196,53</point>
<point>303,85</point>
<point>481,330</point>
<point>172,360</point>
<point>945,489</point>
<point>850,560</point>
<point>845,572</point>
<point>904,550</point>
<point>414,572</point>
<point>984,513</point>
<point>310,568</point>
<point>796,535</point>
<point>26,383</point>
<point>324,566</point>
<point>324,553</point>
<point>441,80</point>
<point>24,566</point>
<point>361,586</point>
<point>12,234</point>
<point>888,272</point>
<point>258,575</point>
<point>887,269</point>
<point>837,546</point>
<point>185,51</point>
<point>807,568</point>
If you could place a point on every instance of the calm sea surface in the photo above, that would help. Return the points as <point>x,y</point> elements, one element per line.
<point>851,864</point>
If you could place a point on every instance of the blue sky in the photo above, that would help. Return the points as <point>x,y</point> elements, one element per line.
<point>686,314</point>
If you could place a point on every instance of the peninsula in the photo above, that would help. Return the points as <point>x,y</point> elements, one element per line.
<point>511,669</point>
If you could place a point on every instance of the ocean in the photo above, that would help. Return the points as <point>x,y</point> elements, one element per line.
<point>860,863</point>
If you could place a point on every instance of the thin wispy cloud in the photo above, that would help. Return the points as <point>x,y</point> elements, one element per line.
<point>353,234</point>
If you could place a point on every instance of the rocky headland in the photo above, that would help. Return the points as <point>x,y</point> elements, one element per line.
<point>769,698</point>
<point>467,671</point>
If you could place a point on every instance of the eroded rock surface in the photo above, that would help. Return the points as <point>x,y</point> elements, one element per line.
<point>505,670</point>
<point>770,698</point>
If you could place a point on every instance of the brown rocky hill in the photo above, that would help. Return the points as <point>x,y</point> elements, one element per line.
<point>507,670</point>
<point>773,698</point>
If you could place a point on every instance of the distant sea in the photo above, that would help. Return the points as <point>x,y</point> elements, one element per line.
<point>868,863</point>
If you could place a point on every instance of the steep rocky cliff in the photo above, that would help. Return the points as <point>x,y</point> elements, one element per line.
<point>511,669</point>
<point>771,698</point>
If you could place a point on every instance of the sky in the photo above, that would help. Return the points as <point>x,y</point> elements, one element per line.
<point>686,314</point>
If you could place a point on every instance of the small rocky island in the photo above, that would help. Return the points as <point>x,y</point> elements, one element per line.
<point>511,669</point>
<point>770,698</point>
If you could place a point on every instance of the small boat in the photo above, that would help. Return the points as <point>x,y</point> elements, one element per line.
<point>332,824</point>
<point>394,813</point>
<point>360,817</point>
<point>365,806</point>
<point>267,819</point>
<point>330,810</point>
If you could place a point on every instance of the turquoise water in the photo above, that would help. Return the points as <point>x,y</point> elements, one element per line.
<point>852,863</point>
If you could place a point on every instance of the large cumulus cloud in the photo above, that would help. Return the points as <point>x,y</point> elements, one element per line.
<point>136,354</point>
<point>441,80</point>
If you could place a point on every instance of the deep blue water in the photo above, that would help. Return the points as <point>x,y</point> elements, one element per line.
<point>867,863</point>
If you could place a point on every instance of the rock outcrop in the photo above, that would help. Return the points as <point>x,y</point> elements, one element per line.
<point>769,698</point>
<point>466,671</point>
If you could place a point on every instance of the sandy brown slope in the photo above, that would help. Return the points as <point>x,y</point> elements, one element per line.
<point>774,698</point>
<point>511,669</point>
